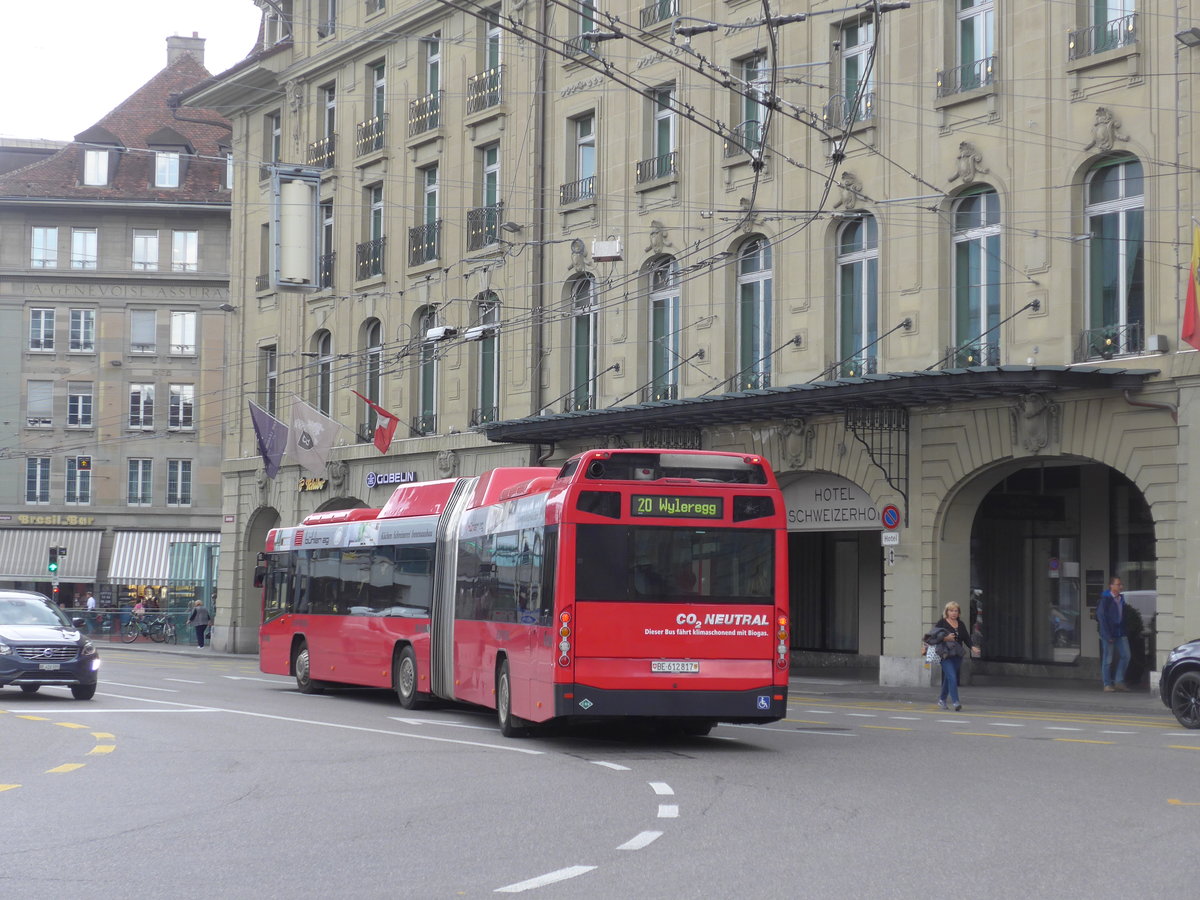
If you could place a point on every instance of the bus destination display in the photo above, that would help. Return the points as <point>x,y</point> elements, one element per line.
<point>669,507</point>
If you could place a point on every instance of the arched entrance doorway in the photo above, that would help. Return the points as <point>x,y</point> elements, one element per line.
<point>1044,540</point>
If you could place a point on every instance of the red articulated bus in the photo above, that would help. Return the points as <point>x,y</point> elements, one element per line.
<point>629,583</point>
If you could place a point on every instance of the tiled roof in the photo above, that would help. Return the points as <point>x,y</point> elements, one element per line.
<point>131,126</point>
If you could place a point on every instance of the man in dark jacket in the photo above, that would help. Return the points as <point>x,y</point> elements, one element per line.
<point>1110,617</point>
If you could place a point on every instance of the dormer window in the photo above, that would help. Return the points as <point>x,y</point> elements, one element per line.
<point>95,167</point>
<point>166,168</point>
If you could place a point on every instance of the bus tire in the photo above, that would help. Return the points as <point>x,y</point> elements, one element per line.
<point>510,725</point>
<point>301,665</point>
<point>404,679</point>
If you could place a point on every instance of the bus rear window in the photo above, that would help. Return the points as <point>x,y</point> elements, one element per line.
<point>648,564</point>
<point>653,466</point>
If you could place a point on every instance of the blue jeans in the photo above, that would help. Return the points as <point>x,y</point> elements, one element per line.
<point>1121,645</point>
<point>951,666</point>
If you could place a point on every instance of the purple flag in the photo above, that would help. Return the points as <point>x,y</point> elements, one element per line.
<point>272,438</point>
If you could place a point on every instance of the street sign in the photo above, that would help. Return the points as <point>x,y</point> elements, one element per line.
<point>889,538</point>
<point>890,517</point>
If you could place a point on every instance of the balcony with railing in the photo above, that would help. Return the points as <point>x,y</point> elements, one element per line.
<point>751,381</point>
<point>320,153</point>
<point>1094,39</point>
<point>423,425</point>
<point>484,415</point>
<point>262,283</point>
<point>325,263</point>
<point>579,403</point>
<point>971,355</point>
<point>841,111</point>
<point>578,191</point>
<point>744,138</point>
<point>660,391</point>
<point>665,165</point>
<point>425,114</point>
<point>369,135</point>
<point>1109,341</point>
<point>966,77</point>
<point>424,243</point>
<point>658,11</point>
<point>369,258</point>
<point>857,367</point>
<point>580,45</point>
<point>484,90</point>
<point>483,225</point>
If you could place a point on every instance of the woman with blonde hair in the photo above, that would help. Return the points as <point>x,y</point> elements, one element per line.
<point>953,643</point>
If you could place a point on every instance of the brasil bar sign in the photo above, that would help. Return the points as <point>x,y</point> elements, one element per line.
<point>667,507</point>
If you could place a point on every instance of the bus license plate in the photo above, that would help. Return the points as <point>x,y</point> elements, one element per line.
<point>674,665</point>
<point>49,667</point>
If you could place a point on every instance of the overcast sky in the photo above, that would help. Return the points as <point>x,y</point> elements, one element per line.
<point>65,63</point>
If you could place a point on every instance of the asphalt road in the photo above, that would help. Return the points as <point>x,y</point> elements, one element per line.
<point>194,776</point>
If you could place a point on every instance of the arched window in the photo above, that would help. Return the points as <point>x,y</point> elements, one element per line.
<point>487,318</point>
<point>1115,272</point>
<point>664,329</point>
<point>858,296</point>
<point>754,314</point>
<point>426,421</point>
<point>977,278</point>
<point>372,382</point>
<point>322,374</point>
<point>584,352</point>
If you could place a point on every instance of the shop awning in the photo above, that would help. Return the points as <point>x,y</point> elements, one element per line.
<point>892,389</point>
<point>24,553</point>
<point>145,557</point>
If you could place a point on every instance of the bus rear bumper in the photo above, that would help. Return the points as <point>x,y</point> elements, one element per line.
<point>757,705</point>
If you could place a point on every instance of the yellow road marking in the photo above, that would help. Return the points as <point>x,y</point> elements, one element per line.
<point>1172,802</point>
<point>98,735</point>
<point>888,727</point>
<point>102,748</point>
<point>8,787</point>
<point>34,718</point>
<point>1146,721</point>
<point>67,767</point>
<point>981,734</point>
<point>69,725</point>
<point>1181,747</point>
<point>1082,741</point>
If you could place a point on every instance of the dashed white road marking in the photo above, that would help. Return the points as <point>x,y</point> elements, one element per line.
<point>955,721</point>
<point>1007,724</point>
<point>184,681</point>
<point>906,718</point>
<point>821,712</point>
<point>662,788</point>
<point>543,880</point>
<point>645,839</point>
<point>140,687</point>
<point>1118,732</point>
<point>1061,728</point>
<point>862,715</point>
<point>616,767</point>
<point>668,811</point>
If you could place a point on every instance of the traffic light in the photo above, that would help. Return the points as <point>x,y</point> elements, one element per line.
<point>52,565</point>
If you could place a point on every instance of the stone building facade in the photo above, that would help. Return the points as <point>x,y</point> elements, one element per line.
<point>930,261</point>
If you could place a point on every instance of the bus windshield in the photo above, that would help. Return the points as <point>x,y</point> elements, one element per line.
<point>638,564</point>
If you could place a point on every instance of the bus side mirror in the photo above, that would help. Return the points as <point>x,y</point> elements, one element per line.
<point>260,575</point>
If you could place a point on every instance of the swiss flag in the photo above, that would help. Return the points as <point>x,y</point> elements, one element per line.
<point>386,429</point>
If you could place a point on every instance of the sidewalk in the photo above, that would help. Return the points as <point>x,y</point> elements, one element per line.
<point>858,684</point>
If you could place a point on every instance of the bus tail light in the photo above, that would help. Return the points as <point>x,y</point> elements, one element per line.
<point>564,637</point>
<point>781,649</point>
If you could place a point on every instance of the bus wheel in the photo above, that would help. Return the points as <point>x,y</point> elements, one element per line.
<point>510,725</point>
<point>304,680</point>
<point>404,679</point>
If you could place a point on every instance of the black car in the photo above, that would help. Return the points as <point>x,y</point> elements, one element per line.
<point>1179,685</point>
<point>39,645</point>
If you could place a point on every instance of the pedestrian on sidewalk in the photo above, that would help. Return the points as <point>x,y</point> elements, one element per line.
<point>199,618</point>
<point>953,644</point>
<point>90,617</point>
<point>1110,617</point>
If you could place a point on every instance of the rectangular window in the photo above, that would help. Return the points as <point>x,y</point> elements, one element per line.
<point>37,479</point>
<point>145,250</point>
<point>79,404</point>
<point>39,404</point>
<point>326,17</point>
<point>857,74</point>
<point>183,402</point>
<point>585,147</point>
<point>142,328</point>
<point>378,74</point>
<point>83,331</point>
<point>273,137</point>
<point>141,407</point>
<point>43,252</point>
<point>185,251</point>
<point>229,170</point>
<point>79,480</point>
<point>269,377</point>
<point>433,62</point>
<point>166,168</point>
<point>139,486</point>
<point>179,482</point>
<point>757,77</point>
<point>976,42</point>
<point>83,248</point>
<point>95,167</point>
<point>41,329</point>
<point>375,202</point>
<point>664,121</point>
<point>327,246</point>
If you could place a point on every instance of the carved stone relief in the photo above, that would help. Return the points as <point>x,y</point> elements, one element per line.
<point>1035,422</point>
<point>968,164</point>
<point>1104,130</point>
<point>851,189</point>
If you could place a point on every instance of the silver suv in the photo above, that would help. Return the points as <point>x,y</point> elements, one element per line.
<point>39,645</point>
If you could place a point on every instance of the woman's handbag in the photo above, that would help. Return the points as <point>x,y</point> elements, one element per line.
<point>931,654</point>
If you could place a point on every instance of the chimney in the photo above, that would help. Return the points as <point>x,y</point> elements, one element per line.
<point>177,46</point>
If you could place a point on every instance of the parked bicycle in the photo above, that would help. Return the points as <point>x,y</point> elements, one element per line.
<point>157,628</point>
